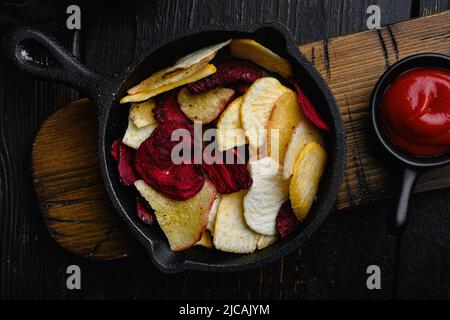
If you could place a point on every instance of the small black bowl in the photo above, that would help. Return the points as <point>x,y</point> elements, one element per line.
<point>412,164</point>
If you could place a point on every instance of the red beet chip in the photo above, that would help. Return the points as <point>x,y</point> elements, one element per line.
<point>308,109</point>
<point>155,166</point>
<point>286,220</point>
<point>242,88</point>
<point>221,178</point>
<point>241,175</point>
<point>115,149</point>
<point>125,156</point>
<point>158,147</point>
<point>227,177</point>
<point>168,109</point>
<point>126,165</point>
<point>228,72</point>
<point>144,213</point>
<point>179,182</point>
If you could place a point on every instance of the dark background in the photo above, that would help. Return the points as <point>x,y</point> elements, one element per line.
<point>331,265</point>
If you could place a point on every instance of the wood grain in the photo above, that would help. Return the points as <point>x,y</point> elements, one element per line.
<point>351,70</point>
<point>330,265</point>
<point>427,7</point>
<point>72,197</point>
<point>75,205</point>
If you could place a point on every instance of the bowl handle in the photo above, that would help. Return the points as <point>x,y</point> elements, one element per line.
<point>398,214</point>
<point>67,70</point>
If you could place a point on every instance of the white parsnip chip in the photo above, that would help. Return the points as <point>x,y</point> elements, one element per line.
<point>206,240</point>
<point>147,91</point>
<point>134,136</point>
<point>183,222</point>
<point>204,107</point>
<point>231,233</point>
<point>229,128</point>
<point>303,133</point>
<point>213,214</point>
<point>141,113</point>
<point>256,108</point>
<point>308,169</point>
<point>265,197</point>
<point>265,241</point>
<point>205,54</point>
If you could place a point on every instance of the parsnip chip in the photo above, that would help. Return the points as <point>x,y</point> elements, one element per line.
<point>229,128</point>
<point>141,113</point>
<point>165,77</point>
<point>134,136</point>
<point>183,67</point>
<point>213,214</point>
<point>256,107</point>
<point>205,54</point>
<point>185,78</point>
<point>308,170</point>
<point>303,133</point>
<point>265,241</point>
<point>183,222</point>
<point>205,241</point>
<point>251,50</point>
<point>204,107</point>
<point>231,233</point>
<point>285,116</point>
<point>265,197</point>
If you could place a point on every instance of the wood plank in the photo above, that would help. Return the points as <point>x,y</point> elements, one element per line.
<point>424,249</point>
<point>351,70</point>
<point>28,253</point>
<point>427,7</point>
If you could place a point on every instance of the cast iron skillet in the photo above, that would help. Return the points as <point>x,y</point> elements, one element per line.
<point>105,91</point>
<point>412,165</point>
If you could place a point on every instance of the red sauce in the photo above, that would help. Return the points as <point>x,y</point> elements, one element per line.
<point>415,111</point>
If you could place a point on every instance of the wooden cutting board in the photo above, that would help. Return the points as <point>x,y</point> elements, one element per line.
<point>68,182</point>
<point>70,189</point>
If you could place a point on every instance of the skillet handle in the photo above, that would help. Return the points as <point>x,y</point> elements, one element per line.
<point>68,69</point>
<point>398,214</point>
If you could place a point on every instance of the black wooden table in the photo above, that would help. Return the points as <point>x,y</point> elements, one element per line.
<point>331,265</point>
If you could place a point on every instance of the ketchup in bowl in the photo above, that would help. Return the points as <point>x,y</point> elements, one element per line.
<point>415,111</point>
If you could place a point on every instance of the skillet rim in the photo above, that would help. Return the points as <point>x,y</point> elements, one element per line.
<point>336,170</point>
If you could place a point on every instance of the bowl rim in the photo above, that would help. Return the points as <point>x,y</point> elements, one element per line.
<point>382,84</point>
<point>336,169</point>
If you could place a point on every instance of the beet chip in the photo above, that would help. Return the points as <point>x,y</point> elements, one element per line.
<point>228,72</point>
<point>286,220</point>
<point>167,108</point>
<point>242,88</point>
<point>155,166</point>
<point>144,213</point>
<point>125,156</point>
<point>115,149</point>
<point>227,177</point>
<point>308,109</point>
